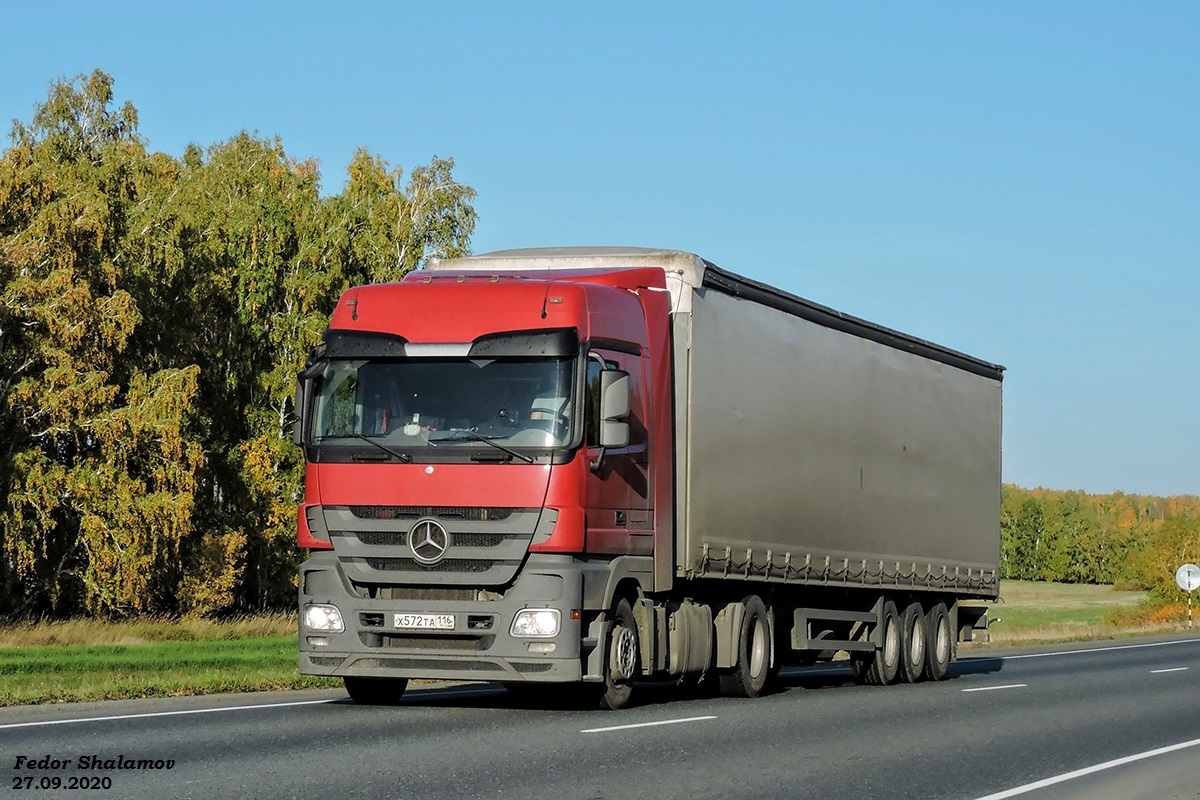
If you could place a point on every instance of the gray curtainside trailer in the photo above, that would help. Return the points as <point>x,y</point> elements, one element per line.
<point>853,455</point>
<point>731,477</point>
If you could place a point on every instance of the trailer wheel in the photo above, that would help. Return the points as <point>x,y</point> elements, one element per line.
<point>879,668</point>
<point>622,661</point>
<point>750,674</point>
<point>913,639</point>
<point>375,691</point>
<point>940,646</point>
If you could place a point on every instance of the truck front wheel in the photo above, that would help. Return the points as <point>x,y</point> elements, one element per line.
<point>622,660</point>
<point>375,691</point>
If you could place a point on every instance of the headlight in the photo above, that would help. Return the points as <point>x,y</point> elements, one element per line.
<point>323,618</point>
<point>536,622</point>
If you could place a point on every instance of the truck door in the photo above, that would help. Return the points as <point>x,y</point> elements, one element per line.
<point>618,505</point>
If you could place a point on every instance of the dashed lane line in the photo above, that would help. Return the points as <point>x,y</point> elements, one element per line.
<point>645,724</point>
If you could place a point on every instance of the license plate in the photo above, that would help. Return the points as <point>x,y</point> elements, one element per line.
<point>424,622</point>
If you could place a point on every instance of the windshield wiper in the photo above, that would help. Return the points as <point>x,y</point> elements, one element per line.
<point>405,458</point>
<point>474,436</point>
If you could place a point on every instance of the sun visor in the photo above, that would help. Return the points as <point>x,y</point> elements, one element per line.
<point>359,344</point>
<point>513,344</point>
<point>564,342</point>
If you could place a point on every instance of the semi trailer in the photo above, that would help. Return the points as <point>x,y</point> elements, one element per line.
<point>605,466</point>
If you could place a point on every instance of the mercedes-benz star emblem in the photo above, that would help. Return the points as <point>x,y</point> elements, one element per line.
<point>429,541</point>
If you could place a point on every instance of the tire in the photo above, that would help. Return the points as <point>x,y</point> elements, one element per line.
<point>881,667</point>
<point>375,691</point>
<point>939,647</point>
<point>622,658</point>
<point>913,642</point>
<point>750,676</point>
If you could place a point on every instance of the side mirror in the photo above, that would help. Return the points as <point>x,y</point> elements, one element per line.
<point>300,407</point>
<point>614,407</point>
<point>302,404</point>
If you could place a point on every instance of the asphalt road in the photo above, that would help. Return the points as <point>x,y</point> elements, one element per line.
<point>1004,723</point>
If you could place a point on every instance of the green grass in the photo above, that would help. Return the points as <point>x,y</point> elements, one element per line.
<point>80,660</point>
<point>72,673</point>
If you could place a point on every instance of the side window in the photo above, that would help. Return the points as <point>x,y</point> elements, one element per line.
<point>592,396</point>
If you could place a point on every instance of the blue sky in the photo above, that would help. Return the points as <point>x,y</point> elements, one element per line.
<point>1020,181</point>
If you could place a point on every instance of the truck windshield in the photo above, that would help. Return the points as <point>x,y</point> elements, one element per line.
<point>425,402</point>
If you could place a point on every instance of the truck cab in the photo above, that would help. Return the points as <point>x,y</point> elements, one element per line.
<point>480,462</point>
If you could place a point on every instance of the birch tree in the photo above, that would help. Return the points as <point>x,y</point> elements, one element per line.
<point>99,466</point>
<point>155,311</point>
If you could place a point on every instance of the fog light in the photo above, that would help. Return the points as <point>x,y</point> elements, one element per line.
<point>536,622</point>
<point>323,618</point>
<point>541,647</point>
<point>317,641</point>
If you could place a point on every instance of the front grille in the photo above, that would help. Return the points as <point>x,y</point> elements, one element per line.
<point>400,538</point>
<point>532,667</point>
<point>448,565</point>
<point>391,538</point>
<point>484,539</point>
<point>325,661</point>
<point>435,593</point>
<point>471,513</point>
<point>486,546</point>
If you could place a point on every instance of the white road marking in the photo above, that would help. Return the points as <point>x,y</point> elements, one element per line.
<point>1079,773</point>
<point>644,725</point>
<point>423,694</point>
<point>1084,650</point>
<point>1173,669</point>
<point>993,688</point>
<point>164,714</point>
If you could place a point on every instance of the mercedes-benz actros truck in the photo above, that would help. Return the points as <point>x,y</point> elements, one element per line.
<point>604,466</point>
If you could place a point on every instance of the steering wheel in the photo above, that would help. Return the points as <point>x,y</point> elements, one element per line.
<point>558,423</point>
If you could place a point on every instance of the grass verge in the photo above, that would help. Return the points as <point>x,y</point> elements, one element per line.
<point>79,672</point>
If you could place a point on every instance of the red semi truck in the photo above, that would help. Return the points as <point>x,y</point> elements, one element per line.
<point>603,466</point>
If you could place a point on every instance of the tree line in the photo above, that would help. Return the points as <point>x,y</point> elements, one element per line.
<point>1138,541</point>
<point>154,311</point>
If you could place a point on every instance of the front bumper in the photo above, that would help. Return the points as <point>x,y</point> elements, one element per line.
<point>479,647</point>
